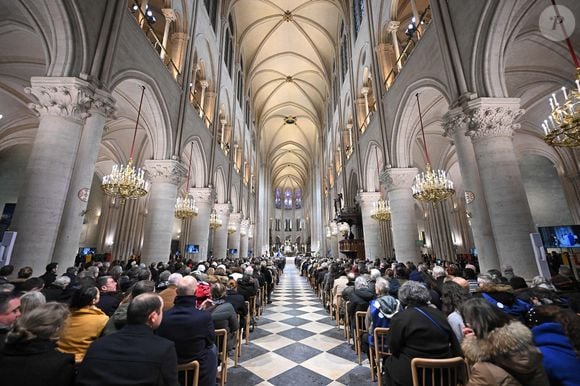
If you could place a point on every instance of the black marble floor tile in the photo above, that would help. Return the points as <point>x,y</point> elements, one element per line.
<point>251,351</point>
<point>345,351</point>
<point>359,376</point>
<point>241,376</point>
<point>298,352</point>
<point>299,376</point>
<point>295,321</point>
<point>296,334</point>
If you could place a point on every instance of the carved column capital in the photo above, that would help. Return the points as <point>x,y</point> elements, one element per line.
<point>165,171</point>
<point>203,195</point>
<point>235,218</point>
<point>455,120</point>
<point>223,209</point>
<point>65,97</point>
<point>393,26</point>
<point>398,178</point>
<point>169,14</point>
<point>104,104</point>
<point>493,117</point>
<point>204,84</point>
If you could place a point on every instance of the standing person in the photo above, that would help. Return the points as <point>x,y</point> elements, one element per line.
<point>9,313</point>
<point>29,357</point>
<point>419,331</point>
<point>499,350</point>
<point>84,325</point>
<point>134,355</point>
<point>192,331</point>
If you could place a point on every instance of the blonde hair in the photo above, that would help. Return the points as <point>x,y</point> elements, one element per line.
<point>44,321</point>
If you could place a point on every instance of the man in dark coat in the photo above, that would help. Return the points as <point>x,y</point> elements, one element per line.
<point>192,331</point>
<point>50,275</point>
<point>133,355</point>
<point>109,301</point>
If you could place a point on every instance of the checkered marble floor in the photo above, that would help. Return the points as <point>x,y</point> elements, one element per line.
<point>296,343</point>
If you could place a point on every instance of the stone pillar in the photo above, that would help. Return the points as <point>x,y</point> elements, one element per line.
<point>385,54</point>
<point>398,183</point>
<point>365,92</point>
<point>178,40</point>
<point>203,84</point>
<point>234,238</point>
<point>169,14</point>
<point>220,235</point>
<point>71,225</point>
<point>455,127</point>
<point>244,230</point>
<point>371,227</point>
<point>165,177</point>
<point>491,129</point>
<point>334,245</point>
<point>63,105</point>
<point>393,27</point>
<point>199,226</point>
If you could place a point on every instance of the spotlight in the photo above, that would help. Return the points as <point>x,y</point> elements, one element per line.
<point>135,8</point>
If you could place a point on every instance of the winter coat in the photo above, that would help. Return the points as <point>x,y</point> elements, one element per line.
<point>506,357</point>
<point>36,363</point>
<point>381,311</point>
<point>560,361</point>
<point>414,335</point>
<point>224,316</point>
<point>247,287</point>
<point>359,301</point>
<point>82,328</point>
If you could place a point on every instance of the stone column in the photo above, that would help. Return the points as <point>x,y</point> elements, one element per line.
<point>199,226</point>
<point>244,230</point>
<point>456,127</point>
<point>398,183</point>
<point>371,227</point>
<point>71,225</point>
<point>178,40</point>
<point>385,53</point>
<point>165,177</point>
<point>491,129</point>
<point>234,238</point>
<point>220,235</point>
<point>365,92</point>
<point>393,27</point>
<point>63,105</point>
<point>203,84</point>
<point>169,14</point>
<point>334,245</point>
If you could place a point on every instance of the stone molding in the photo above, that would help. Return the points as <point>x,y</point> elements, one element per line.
<point>170,171</point>
<point>104,104</point>
<point>368,198</point>
<point>61,96</point>
<point>203,195</point>
<point>223,209</point>
<point>493,117</point>
<point>169,14</point>
<point>235,218</point>
<point>453,121</point>
<point>398,178</point>
<point>393,26</point>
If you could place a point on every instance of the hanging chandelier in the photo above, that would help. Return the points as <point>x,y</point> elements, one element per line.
<point>232,228</point>
<point>214,221</point>
<point>185,206</point>
<point>126,181</point>
<point>251,231</point>
<point>381,210</point>
<point>562,128</point>
<point>431,185</point>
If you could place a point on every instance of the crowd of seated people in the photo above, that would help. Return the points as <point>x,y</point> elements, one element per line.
<point>508,330</point>
<point>104,322</point>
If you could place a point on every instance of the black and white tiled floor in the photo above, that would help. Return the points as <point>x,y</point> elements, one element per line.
<point>297,343</point>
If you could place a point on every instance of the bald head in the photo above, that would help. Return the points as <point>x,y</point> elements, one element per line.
<point>461,281</point>
<point>186,286</point>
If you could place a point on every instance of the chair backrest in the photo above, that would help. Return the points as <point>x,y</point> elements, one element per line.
<point>190,373</point>
<point>380,340</point>
<point>221,342</point>
<point>439,372</point>
<point>360,325</point>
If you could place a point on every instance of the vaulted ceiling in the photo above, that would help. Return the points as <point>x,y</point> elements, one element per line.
<point>288,47</point>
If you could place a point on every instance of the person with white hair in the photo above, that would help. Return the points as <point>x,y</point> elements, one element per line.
<point>168,294</point>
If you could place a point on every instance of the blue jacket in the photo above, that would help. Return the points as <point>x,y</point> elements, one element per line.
<point>560,360</point>
<point>382,310</point>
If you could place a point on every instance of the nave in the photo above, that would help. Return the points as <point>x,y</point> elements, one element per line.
<point>296,343</point>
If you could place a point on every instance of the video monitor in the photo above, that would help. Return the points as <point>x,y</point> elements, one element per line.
<point>192,248</point>
<point>565,236</point>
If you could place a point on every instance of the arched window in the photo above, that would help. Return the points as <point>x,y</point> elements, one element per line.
<point>288,198</point>
<point>277,199</point>
<point>298,198</point>
<point>211,7</point>
<point>358,11</point>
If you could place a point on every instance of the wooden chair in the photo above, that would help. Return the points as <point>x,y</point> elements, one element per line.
<point>187,369</point>
<point>347,322</point>
<point>257,303</point>
<point>379,351</point>
<point>238,346</point>
<point>247,321</point>
<point>439,372</point>
<point>252,310</point>
<point>359,329</point>
<point>221,342</point>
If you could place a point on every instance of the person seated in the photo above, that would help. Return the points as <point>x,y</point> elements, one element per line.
<point>565,280</point>
<point>9,313</point>
<point>380,312</point>
<point>170,292</point>
<point>452,296</point>
<point>419,331</point>
<point>555,332</point>
<point>29,357</point>
<point>84,325</point>
<point>134,355</point>
<point>236,300</point>
<point>222,313</point>
<point>119,318</point>
<point>499,350</point>
<point>109,301</point>
<point>192,331</point>
<point>59,290</point>
<point>30,301</point>
<point>359,298</point>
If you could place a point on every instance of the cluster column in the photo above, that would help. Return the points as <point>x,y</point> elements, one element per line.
<point>371,227</point>
<point>398,183</point>
<point>71,225</point>
<point>456,122</point>
<point>199,226</point>
<point>234,238</point>
<point>244,229</point>
<point>492,122</point>
<point>165,177</point>
<point>220,237</point>
<point>63,105</point>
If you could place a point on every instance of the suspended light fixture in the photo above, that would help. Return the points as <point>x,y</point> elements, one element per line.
<point>232,228</point>
<point>214,221</point>
<point>562,128</point>
<point>185,205</point>
<point>251,231</point>
<point>381,209</point>
<point>431,185</point>
<point>126,181</point>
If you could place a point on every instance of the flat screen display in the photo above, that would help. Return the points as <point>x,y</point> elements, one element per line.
<point>192,248</point>
<point>565,236</point>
